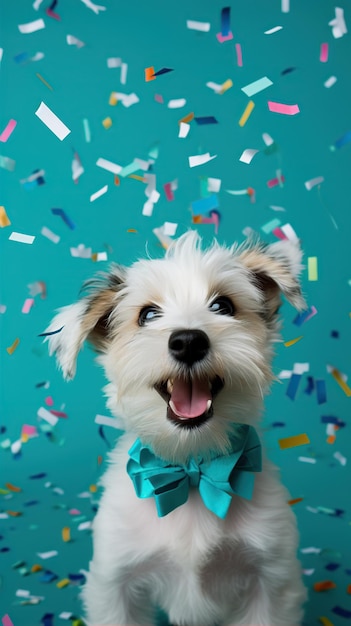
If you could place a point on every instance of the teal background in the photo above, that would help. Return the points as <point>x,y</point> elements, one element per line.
<point>155,34</point>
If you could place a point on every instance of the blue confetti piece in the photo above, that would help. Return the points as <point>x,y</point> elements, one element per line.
<point>47,619</point>
<point>65,217</point>
<point>22,56</point>
<point>164,70</point>
<point>338,610</point>
<point>331,567</point>
<point>346,138</point>
<point>310,385</point>
<point>31,503</point>
<point>288,70</point>
<point>48,577</point>
<point>321,391</point>
<point>206,120</point>
<point>53,332</point>
<point>36,476</point>
<point>278,424</point>
<point>225,21</point>
<point>103,436</point>
<point>77,578</point>
<point>293,386</point>
<point>205,204</point>
<point>302,317</point>
<point>330,419</point>
<point>30,184</point>
<point>334,334</point>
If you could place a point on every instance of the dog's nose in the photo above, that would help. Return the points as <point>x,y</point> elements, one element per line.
<point>189,346</point>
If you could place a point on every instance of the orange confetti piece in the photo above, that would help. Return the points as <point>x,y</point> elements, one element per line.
<point>137,177</point>
<point>294,501</point>
<point>337,376</point>
<point>132,230</point>
<point>324,585</point>
<point>107,123</point>
<point>63,583</point>
<point>66,533</point>
<point>36,568</point>
<point>44,81</point>
<point>149,74</point>
<point>187,118</point>
<point>14,513</point>
<point>287,344</point>
<point>292,442</point>
<point>117,180</point>
<point>331,439</point>
<point>93,488</point>
<point>248,110</point>
<point>325,621</point>
<point>11,349</point>
<point>4,220</point>
<point>348,589</point>
<point>12,487</point>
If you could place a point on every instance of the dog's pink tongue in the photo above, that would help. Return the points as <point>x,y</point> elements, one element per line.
<point>190,398</point>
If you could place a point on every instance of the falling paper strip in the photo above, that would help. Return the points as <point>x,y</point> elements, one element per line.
<point>73,41</point>
<point>46,232</point>
<point>201,26</point>
<point>272,30</point>
<point>285,109</point>
<point>109,166</point>
<point>200,159</point>
<point>177,103</point>
<point>98,193</point>
<point>8,130</point>
<point>248,155</point>
<point>183,130</point>
<point>312,267</point>
<point>21,238</point>
<point>47,555</point>
<point>330,82</point>
<point>4,220</point>
<point>248,110</point>
<point>28,303</point>
<point>31,27</point>
<point>257,86</point>
<point>291,442</point>
<point>52,121</point>
<point>323,57</point>
<point>47,416</point>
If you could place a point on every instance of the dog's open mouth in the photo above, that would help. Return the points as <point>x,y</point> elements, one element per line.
<point>189,400</point>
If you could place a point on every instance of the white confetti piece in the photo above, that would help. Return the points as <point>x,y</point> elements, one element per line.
<point>16,446</point>
<point>267,139</point>
<point>273,30</point>
<point>309,184</point>
<point>1,53</point>
<point>248,155</point>
<point>114,168</point>
<point>204,27</point>
<point>96,8</point>
<point>126,99</point>
<point>3,308</point>
<point>285,6</point>
<point>22,593</point>
<point>123,76</point>
<point>114,62</point>
<point>308,572</point>
<point>214,184</point>
<point>177,103</point>
<point>215,86</point>
<point>73,41</point>
<point>183,130</point>
<point>285,374</point>
<point>170,228</point>
<point>84,526</point>
<point>301,368</point>
<point>148,208</point>
<point>98,193</point>
<point>47,416</point>
<point>163,239</point>
<point>339,457</point>
<point>306,459</point>
<point>31,27</point>
<point>101,256</point>
<point>66,615</point>
<point>4,516</point>
<point>47,555</point>
<point>21,237</point>
<point>310,550</point>
<point>113,422</point>
<point>338,23</point>
<point>53,122</point>
<point>276,208</point>
<point>330,82</point>
<point>46,232</point>
<point>289,232</point>
<point>200,159</point>
<point>36,4</point>
<point>81,252</point>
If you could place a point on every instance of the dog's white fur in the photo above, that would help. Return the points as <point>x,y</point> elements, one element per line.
<point>200,569</point>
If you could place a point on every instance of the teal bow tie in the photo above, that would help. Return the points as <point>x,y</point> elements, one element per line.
<point>217,480</point>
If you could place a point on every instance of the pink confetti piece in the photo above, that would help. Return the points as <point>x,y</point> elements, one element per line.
<point>239,55</point>
<point>74,512</point>
<point>158,98</point>
<point>324,53</point>
<point>29,430</point>
<point>285,109</point>
<point>49,401</point>
<point>7,621</point>
<point>28,303</point>
<point>222,38</point>
<point>168,191</point>
<point>275,181</point>
<point>8,130</point>
<point>279,233</point>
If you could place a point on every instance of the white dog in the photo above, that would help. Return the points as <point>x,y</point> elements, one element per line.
<point>191,520</point>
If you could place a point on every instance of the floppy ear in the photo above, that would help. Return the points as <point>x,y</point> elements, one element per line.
<point>87,319</point>
<point>275,270</point>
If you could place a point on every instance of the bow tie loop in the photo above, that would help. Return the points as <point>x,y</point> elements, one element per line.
<point>217,480</point>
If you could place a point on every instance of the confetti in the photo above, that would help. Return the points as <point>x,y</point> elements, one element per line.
<point>225,34</point>
<point>293,386</point>
<point>21,238</point>
<point>323,57</point>
<point>4,220</point>
<point>163,70</point>
<point>338,24</point>
<point>47,555</point>
<point>7,164</point>
<point>6,621</point>
<point>324,585</point>
<point>67,220</point>
<point>46,232</point>
<point>345,139</point>
<point>312,268</point>
<point>66,534</point>
<point>98,193</point>
<point>292,442</point>
<point>86,130</point>
<point>96,8</point>
<point>109,166</point>
<point>273,30</point>
<point>248,110</point>
<point>31,27</point>
<point>285,5</point>
<point>28,303</point>
<point>51,120</point>
<point>183,130</point>
<point>200,159</point>
<point>292,342</point>
<point>338,610</point>
<point>44,81</point>
<point>239,55</point>
<point>149,74</point>
<point>248,155</point>
<point>7,132</point>
<point>257,86</point>
<point>47,416</point>
<point>107,123</point>
<point>206,120</point>
<point>309,184</point>
<point>73,41</point>
<point>339,379</point>
<point>284,109</point>
<point>176,103</point>
<point>325,621</point>
<point>203,27</point>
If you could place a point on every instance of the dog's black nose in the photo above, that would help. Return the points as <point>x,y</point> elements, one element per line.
<point>188,346</point>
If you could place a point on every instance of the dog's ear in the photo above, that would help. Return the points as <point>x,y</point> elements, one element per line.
<point>86,320</point>
<point>275,269</point>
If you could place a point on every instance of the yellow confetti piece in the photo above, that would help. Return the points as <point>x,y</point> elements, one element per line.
<point>63,583</point>
<point>107,122</point>
<point>77,622</point>
<point>287,344</point>
<point>44,81</point>
<point>337,376</point>
<point>24,438</point>
<point>11,349</point>
<point>226,85</point>
<point>248,110</point>
<point>12,487</point>
<point>93,488</point>
<point>14,513</point>
<point>66,533</point>
<point>113,99</point>
<point>312,268</point>
<point>4,492</point>
<point>291,442</point>
<point>137,177</point>
<point>4,220</point>
<point>325,621</point>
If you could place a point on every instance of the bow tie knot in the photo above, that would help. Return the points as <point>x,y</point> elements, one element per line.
<point>217,480</point>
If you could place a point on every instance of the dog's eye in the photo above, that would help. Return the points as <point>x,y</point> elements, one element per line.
<point>222,306</point>
<point>148,314</point>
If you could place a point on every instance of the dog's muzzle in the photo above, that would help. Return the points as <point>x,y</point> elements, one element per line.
<point>189,399</point>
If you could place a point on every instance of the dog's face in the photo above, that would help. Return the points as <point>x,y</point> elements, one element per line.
<point>186,341</point>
